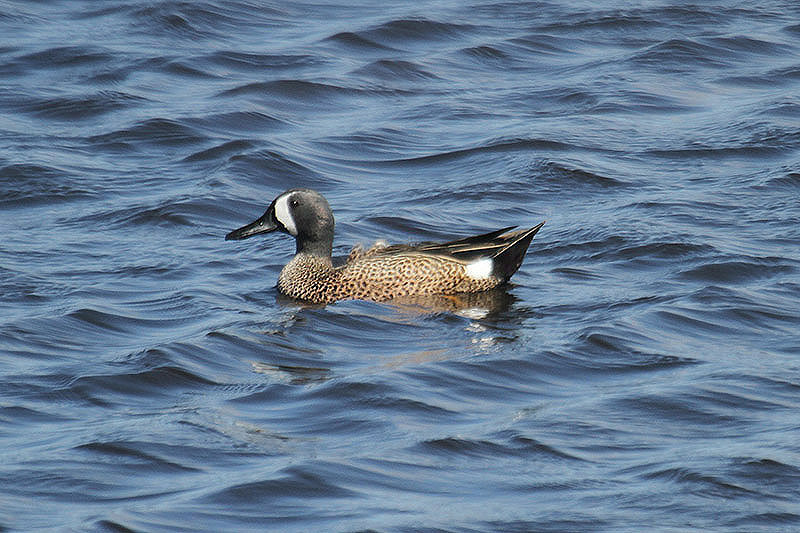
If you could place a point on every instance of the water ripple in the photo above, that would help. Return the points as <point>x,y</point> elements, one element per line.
<point>640,369</point>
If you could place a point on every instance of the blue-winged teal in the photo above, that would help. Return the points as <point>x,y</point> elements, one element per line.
<point>382,272</point>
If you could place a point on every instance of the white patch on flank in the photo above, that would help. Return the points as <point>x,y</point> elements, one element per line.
<point>284,216</point>
<point>480,269</point>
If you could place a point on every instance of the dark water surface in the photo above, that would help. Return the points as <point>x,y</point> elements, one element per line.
<point>641,374</point>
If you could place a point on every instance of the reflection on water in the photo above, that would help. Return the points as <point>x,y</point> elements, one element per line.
<point>469,305</point>
<point>392,334</point>
<point>477,305</point>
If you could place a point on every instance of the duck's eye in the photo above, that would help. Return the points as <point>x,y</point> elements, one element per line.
<point>295,203</point>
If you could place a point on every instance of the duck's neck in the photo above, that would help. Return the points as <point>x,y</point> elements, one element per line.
<point>320,249</point>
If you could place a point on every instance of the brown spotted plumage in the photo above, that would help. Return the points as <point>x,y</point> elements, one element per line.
<point>382,272</point>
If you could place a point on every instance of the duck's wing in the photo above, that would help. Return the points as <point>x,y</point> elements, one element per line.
<point>509,258</point>
<point>491,244</point>
<point>506,248</point>
<point>475,240</point>
<point>486,245</point>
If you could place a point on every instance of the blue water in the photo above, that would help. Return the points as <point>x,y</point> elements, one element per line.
<point>641,373</point>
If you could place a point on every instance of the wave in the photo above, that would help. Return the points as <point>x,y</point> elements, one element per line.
<point>728,271</point>
<point>66,56</point>
<point>154,131</point>
<point>242,61</point>
<point>412,30</point>
<point>386,69</point>
<point>27,185</point>
<point>79,107</point>
<point>356,41</point>
<point>494,147</point>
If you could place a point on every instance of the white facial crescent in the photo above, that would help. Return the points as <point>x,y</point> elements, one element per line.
<point>284,215</point>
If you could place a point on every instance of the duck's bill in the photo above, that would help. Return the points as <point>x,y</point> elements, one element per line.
<point>262,225</point>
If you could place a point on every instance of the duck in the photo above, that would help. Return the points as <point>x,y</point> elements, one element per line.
<point>382,272</point>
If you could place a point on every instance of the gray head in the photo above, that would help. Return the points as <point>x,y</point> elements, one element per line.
<point>302,213</point>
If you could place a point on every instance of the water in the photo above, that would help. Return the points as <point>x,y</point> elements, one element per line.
<point>641,373</point>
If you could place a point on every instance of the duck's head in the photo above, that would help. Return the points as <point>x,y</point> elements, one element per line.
<point>302,213</point>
